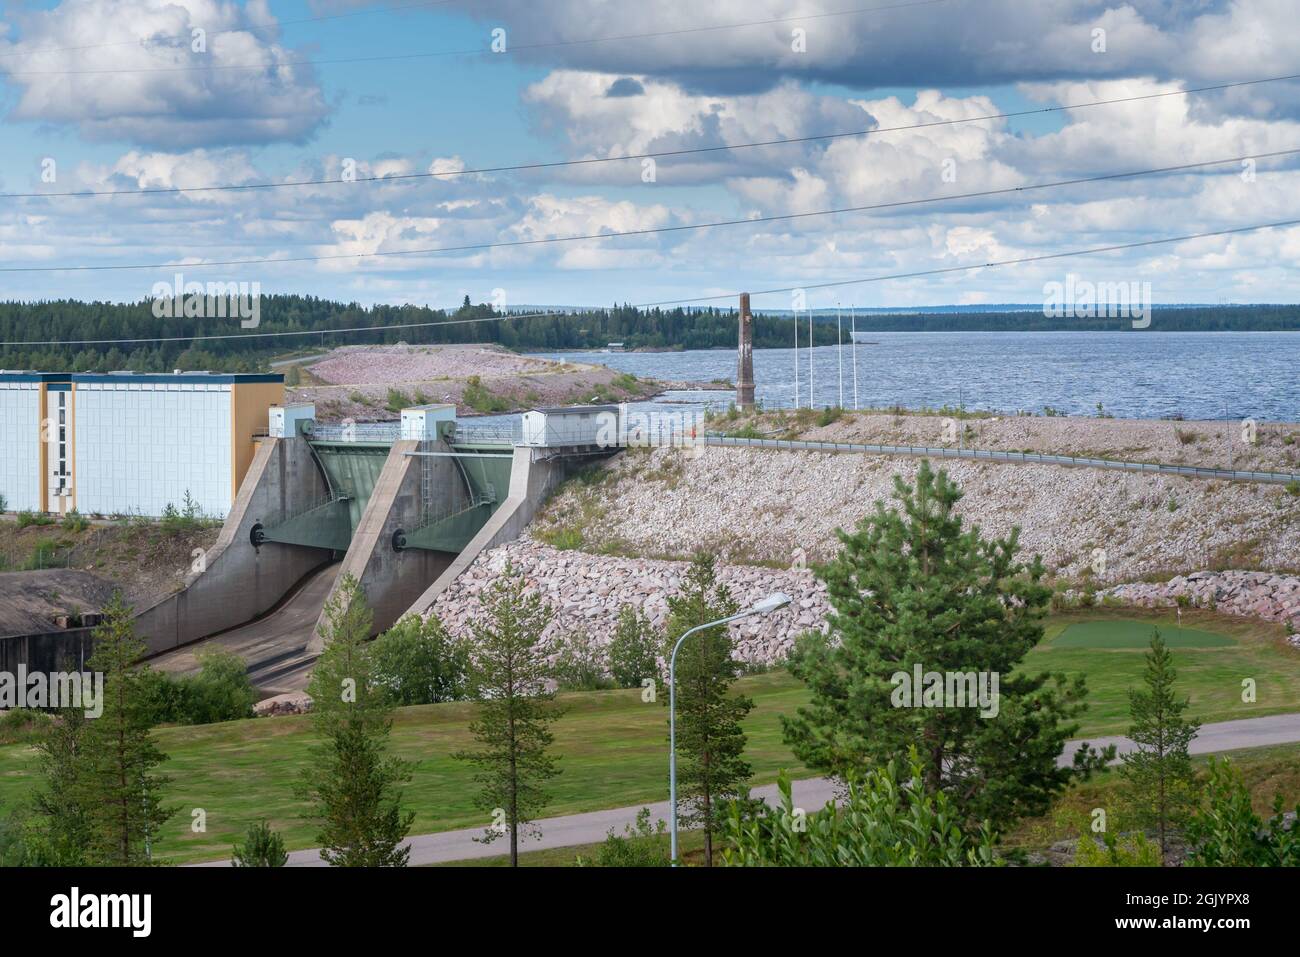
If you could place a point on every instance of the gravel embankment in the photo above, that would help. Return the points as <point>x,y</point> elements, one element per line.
<point>586,592</point>
<point>357,379</point>
<point>1220,444</point>
<point>749,505</point>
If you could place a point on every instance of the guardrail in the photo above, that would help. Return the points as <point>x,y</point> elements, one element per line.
<point>357,432</point>
<point>1042,458</point>
<point>488,434</point>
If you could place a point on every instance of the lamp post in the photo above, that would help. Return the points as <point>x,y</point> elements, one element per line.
<point>768,605</point>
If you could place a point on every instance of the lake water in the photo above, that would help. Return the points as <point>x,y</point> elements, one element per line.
<point>1199,375</point>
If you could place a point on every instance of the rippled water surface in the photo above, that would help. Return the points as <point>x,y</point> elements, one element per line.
<point>1199,375</point>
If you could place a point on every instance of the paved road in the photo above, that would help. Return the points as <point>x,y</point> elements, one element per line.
<point>810,794</point>
<point>275,646</point>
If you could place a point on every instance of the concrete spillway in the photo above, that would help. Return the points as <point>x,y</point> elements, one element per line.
<point>402,515</point>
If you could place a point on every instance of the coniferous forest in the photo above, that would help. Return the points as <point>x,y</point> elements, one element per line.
<point>86,331</point>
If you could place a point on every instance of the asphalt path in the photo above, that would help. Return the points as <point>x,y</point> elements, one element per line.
<point>810,794</point>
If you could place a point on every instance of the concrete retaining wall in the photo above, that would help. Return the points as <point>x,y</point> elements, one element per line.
<point>530,484</point>
<point>240,582</point>
<point>47,652</point>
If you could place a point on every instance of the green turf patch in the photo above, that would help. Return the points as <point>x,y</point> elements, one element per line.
<point>1126,633</point>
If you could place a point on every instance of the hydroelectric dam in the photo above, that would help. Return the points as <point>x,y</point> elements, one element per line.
<point>403,507</point>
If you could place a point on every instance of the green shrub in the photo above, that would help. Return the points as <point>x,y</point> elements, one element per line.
<point>579,664</point>
<point>398,400</point>
<point>74,521</point>
<point>262,847</point>
<point>634,649</point>
<point>565,539</point>
<point>1127,850</point>
<point>221,691</point>
<point>887,820</point>
<point>188,518</point>
<point>45,554</point>
<point>419,663</point>
<point>1226,831</point>
<point>481,399</point>
<point>829,416</point>
<point>643,845</point>
<point>23,725</point>
<point>4,504</point>
<point>162,697</point>
<point>1292,488</point>
<point>33,518</point>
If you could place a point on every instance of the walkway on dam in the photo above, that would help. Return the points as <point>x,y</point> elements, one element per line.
<point>274,646</point>
<point>810,794</point>
<point>1017,458</point>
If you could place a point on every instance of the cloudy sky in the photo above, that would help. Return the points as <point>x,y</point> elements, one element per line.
<point>120,96</point>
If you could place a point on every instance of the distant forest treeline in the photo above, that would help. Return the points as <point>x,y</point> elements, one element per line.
<point>680,328</point>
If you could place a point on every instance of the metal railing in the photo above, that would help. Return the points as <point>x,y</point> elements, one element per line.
<point>319,501</point>
<point>430,516</point>
<point>1042,458</point>
<point>357,432</point>
<point>488,434</point>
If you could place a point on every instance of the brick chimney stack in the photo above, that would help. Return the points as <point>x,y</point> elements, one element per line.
<point>745,357</point>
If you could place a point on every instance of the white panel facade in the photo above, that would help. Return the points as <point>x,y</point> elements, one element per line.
<point>20,445</point>
<point>141,446</point>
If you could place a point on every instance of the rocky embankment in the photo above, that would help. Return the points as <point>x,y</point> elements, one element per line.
<point>1239,593</point>
<point>586,592</point>
<point>748,505</point>
<point>1237,443</point>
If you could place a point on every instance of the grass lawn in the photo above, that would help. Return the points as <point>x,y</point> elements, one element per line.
<point>1212,656</point>
<point>612,747</point>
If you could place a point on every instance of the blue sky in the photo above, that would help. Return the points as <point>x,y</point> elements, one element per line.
<point>95,86</point>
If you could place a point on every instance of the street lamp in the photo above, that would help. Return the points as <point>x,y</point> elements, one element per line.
<point>768,605</point>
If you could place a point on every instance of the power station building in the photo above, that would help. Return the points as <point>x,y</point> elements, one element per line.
<point>125,443</point>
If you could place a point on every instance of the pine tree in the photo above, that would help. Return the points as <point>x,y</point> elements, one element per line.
<point>351,782</point>
<point>512,726</point>
<point>115,784</point>
<point>910,587</point>
<point>1158,778</point>
<point>262,847</point>
<point>711,769</point>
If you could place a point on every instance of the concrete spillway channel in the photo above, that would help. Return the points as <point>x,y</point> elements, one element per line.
<point>402,515</point>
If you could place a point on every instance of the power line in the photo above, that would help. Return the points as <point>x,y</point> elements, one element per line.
<point>654,230</point>
<point>510,48</point>
<point>660,154</point>
<point>993,264</point>
<point>186,38</point>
